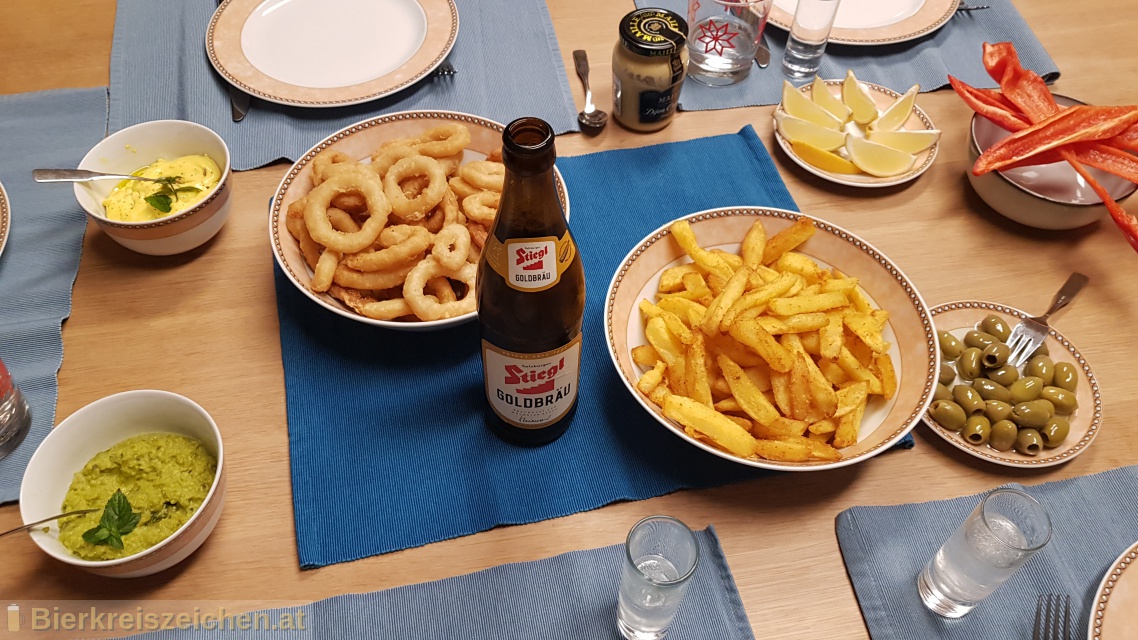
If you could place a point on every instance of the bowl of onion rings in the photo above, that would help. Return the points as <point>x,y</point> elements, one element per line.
<point>384,221</point>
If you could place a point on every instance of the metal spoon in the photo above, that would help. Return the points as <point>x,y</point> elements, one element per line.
<point>763,52</point>
<point>81,175</point>
<point>36,524</point>
<point>592,119</point>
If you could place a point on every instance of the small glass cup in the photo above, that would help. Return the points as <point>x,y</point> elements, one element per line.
<point>723,36</point>
<point>813,20</point>
<point>15,417</point>
<point>997,538</point>
<point>661,555</point>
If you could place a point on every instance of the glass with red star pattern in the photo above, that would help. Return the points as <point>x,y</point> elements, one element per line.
<point>723,36</point>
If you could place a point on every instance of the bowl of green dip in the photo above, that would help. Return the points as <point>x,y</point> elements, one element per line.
<point>162,451</point>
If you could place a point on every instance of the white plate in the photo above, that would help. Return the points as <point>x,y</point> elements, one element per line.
<point>5,218</point>
<point>884,97</point>
<point>1115,601</point>
<point>327,53</point>
<point>360,141</point>
<point>873,22</point>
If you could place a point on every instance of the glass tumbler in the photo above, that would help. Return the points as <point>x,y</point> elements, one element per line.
<point>997,538</point>
<point>660,557</point>
<point>723,36</point>
<point>809,33</point>
<point>15,417</point>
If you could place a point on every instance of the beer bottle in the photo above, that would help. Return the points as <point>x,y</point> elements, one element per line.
<point>531,297</point>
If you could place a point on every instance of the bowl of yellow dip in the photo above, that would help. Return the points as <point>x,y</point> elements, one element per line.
<point>162,451</point>
<point>183,211</point>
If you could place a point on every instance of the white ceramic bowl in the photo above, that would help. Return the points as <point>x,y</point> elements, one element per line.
<point>97,427</point>
<point>135,147</point>
<point>1048,196</point>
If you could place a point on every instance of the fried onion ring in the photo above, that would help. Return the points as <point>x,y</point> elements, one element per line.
<point>389,154</point>
<point>373,280</point>
<point>442,141</point>
<point>440,288</point>
<point>322,161</point>
<point>484,174</point>
<point>370,307</point>
<point>451,246</point>
<point>359,180</point>
<point>342,220</point>
<point>478,234</point>
<point>462,188</point>
<point>427,307</point>
<point>400,253</point>
<point>482,206</point>
<point>324,271</point>
<point>416,208</point>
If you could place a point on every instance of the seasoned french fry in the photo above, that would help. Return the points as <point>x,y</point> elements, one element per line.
<point>782,451</point>
<point>728,405</point>
<point>732,260</point>
<point>793,324</point>
<point>649,310</point>
<point>818,449</point>
<point>760,376</point>
<point>788,239</point>
<point>689,311</point>
<point>778,428</point>
<point>699,382</point>
<point>810,342</point>
<point>823,427</point>
<point>848,426</point>
<point>681,230</point>
<point>830,336</point>
<point>746,394</point>
<point>729,296</point>
<point>764,294</point>
<point>888,375</point>
<point>850,397</point>
<point>866,327</point>
<point>799,388</point>
<point>659,394</point>
<point>839,284</point>
<point>651,378</point>
<point>672,279</point>
<point>833,372</point>
<point>822,394</point>
<point>751,334</point>
<point>800,264</point>
<point>857,371</point>
<point>645,355</point>
<point>807,303</point>
<point>739,420</point>
<point>709,422</point>
<point>780,389</point>
<point>754,243</point>
<point>732,348</point>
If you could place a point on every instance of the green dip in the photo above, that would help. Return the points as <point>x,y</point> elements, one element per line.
<point>165,476</point>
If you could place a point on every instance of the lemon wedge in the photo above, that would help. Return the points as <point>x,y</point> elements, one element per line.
<point>892,118</point>
<point>878,159</point>
<point>822,97</point>
<point>857,98</point>
<point>823,159</point>
<point>799,130</point>
<point>907,141</point>
<point>795,103</point>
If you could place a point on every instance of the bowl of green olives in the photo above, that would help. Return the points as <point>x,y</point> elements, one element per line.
<point>1041,414</point>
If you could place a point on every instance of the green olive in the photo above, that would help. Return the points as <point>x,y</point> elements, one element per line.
<point>997,410</point>
<point>979,339</point>
<point>995,355</point>
<point>947,374</point>
<point>1063,400</point>
<point>1025,389</point>
<point>1029,442</point>
<point>1004,375</point>
<point>1055,432</point>
<point>1066,376</point>
<point>968,399</point>
<point>990,390</point>
<point>968,365</point>
<point>941,393</point>
<point>977,430</point>
<point>949,345</point>
<point>1003,435</point>
<point>1041,367</point>
<point>1043,405</point>
<point>948,414</point>
<point>1042,350</point>
<point>995,325</point>
<point>1029,414</point>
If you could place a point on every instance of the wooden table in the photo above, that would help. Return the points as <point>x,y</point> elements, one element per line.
<point>205,325</point>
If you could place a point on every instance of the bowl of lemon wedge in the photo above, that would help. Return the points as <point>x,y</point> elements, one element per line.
<point>855,133</point>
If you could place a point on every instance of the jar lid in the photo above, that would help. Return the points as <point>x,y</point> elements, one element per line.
<point>653,32</point>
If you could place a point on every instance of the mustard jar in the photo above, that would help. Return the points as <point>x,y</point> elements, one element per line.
<point>648,66</point>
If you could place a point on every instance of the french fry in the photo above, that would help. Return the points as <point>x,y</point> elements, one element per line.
<point>800,264</point>
<point>779,428</point>
<point>689,311</point>
<point>788,239</point>
<point>799,388</point>
<point>822,394</point>
<point>746,394</point>
<point>699,383</point>
<point>649,310</point>
<point>739,420</point>
<point>760,376</point>
<point>645,355</point>
<point>830,336</point>
<point>681,230</point>
<point>810,342</point>
<point>651,378</point>
<point>823,427</point>
<point>729,296</point>
<point>732,260</point>
<point>780,389</point>
<point>843,285</point>
<point>857,371</point>
<point>807,303</point>
<point>754,243</point>
<point>732,348</point>
<point>728,405</point>
<point>867,329</point>
<point>793,324</point>
<point>782,451</point>
<point>751,334</point>
<point>833,372</point>
<point>764,294</point>
<point>659,394</point>
<point>888,375</point>
<point>818,449</point>
<point>672,279</point>
<point>850,397</point>
<point>849,426</point>
<point>712,424</point>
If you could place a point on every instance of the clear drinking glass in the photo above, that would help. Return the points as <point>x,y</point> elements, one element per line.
<point>997,538</point>
<point>723,36</point>
<point>15,418</point>
<point>813,20</point>
<point>661,555</point>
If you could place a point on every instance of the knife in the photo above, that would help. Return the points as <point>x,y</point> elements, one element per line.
<point>238,99</point>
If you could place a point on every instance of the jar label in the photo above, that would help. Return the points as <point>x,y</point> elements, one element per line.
<point>532,390</point>
<point>656,106</point>
<point>530,264</point>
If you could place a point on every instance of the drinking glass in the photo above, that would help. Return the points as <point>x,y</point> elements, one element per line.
<point>15,418</point>
<point>661,555</point>
<point>997,538</point>
<point>813,20</point>
<point>722,38</point>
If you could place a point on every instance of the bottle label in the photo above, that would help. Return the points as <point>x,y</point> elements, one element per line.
<point>532,390</point>
<point>530,264</point>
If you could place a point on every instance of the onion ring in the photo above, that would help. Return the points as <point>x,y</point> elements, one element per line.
<point>442,141</point>
<point>462,188</point>
<point>495,155</point>
<point>400,253</point>
<point>428,307</point>
<point>324,271</point>
<point>451,246</point>
<point>484,174</point>
<point>416,208</point>
<point>373,280</point>
<point>389,154</point>
<point>342,220</point>
<point>478,234</point>
<point>370,307</point>
<point>440,288</point>
<point>450,164</point>
<point>325,159</point>
<point>482,206</point>
<point>361,180</point>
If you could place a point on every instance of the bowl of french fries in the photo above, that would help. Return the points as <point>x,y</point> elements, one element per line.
<point>772,338</point>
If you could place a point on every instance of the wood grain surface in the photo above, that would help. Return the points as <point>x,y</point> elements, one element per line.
<point>204,324</point>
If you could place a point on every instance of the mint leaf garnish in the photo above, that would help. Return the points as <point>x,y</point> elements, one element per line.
<point>117,521</point>
<point>160,201</point>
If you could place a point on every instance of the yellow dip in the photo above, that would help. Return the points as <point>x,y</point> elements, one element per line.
<point>165,476</point>
<point>196,175</point>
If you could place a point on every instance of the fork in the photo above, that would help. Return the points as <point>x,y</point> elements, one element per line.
<point>962,7</point>
<point>445,70</point>
<point>1052,618</point>
<point>1026,337</point>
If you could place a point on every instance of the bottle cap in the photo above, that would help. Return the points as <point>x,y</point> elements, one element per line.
<point>653,32</point>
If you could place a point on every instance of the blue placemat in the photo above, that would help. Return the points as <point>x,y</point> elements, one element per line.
<point>953,49</point>
<point>1093,520</point>
<point>169,76</point>
<point>38,266</point>
<point>389,424</point>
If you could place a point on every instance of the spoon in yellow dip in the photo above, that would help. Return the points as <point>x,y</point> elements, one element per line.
<point>82,175</point>
<point>78,512</point>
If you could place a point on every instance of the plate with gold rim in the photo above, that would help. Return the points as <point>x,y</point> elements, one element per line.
<point>964,315</point>
<point>1112,617</point>
<point>5,218</point>
<point>876,22</point>
<point>329,53</point>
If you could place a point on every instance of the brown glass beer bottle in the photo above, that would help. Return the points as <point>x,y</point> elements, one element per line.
<point>531,297</point>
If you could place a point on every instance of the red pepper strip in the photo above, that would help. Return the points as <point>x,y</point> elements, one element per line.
<point>1026,90</point>
<point>983,103</point>
<point>1109,159</point>
<point>1126,140</point>
<point>1076,124</point>
<point>997,57</point>
<point>1127,223</point>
